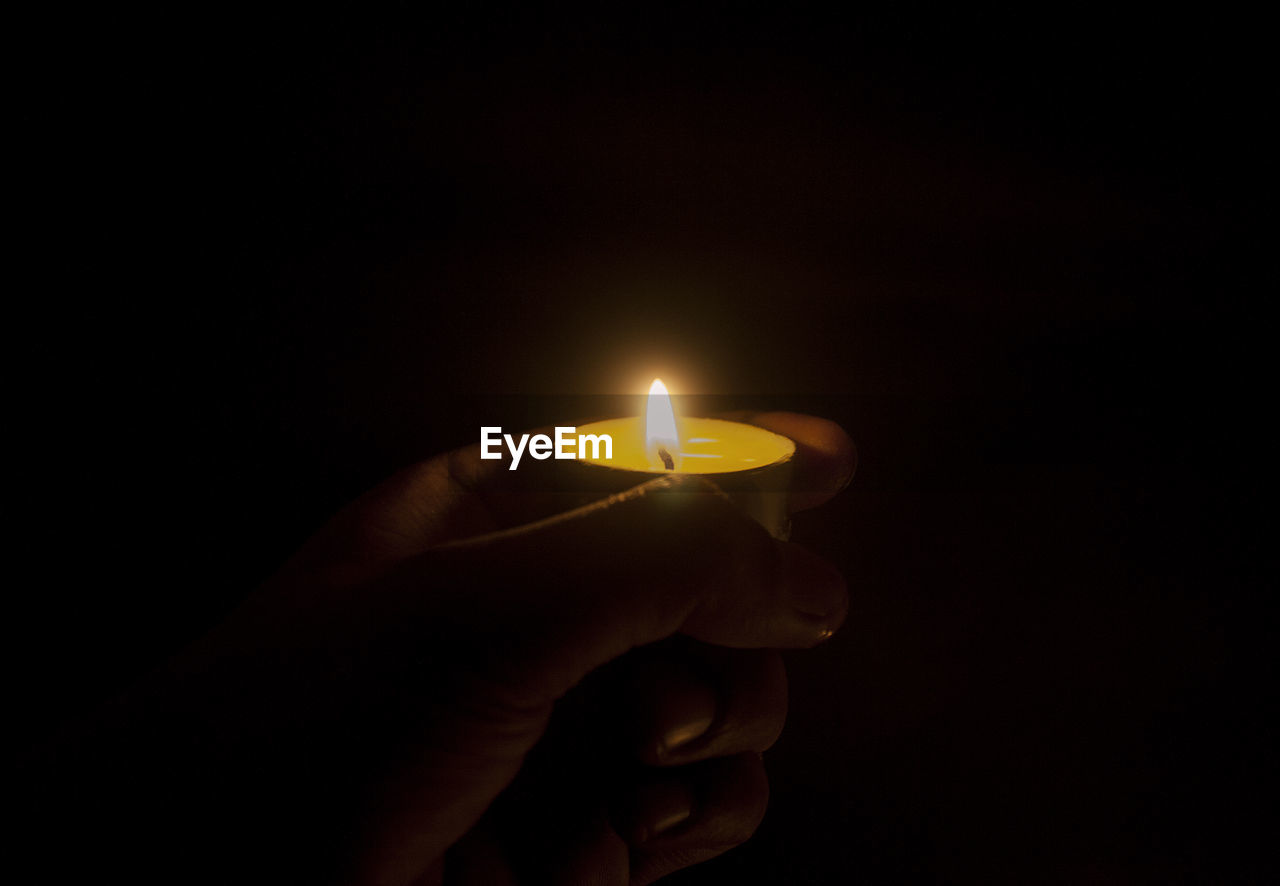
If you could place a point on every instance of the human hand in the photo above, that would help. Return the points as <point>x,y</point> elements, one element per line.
<point>427,693</point>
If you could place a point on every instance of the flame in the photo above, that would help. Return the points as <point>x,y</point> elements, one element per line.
<point>660,435</point>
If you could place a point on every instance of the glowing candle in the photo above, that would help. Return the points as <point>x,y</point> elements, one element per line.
<point>751,465</point>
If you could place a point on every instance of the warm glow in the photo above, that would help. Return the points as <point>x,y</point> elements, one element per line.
<point>662,441</point>
<point>691,445</point>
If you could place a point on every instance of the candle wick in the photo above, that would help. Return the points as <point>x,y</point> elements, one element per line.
<point>667,461</point>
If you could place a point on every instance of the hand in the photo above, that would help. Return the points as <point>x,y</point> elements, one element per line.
<point>427,693</point>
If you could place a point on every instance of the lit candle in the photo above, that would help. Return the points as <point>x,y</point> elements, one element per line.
<point>751,465</point>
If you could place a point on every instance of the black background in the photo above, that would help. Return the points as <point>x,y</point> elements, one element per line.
<point>262,260</point>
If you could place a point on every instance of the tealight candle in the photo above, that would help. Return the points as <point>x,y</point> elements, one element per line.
<point>749,464</point>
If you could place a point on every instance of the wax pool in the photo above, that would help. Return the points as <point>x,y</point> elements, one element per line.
<point>751,465</point>
<point>707,446</point>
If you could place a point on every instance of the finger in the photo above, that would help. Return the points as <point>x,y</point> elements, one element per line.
<point>451,497</point>
<point>689,701</point>
<point>560,598</point>
<point>825,456</point>
<point>725,801</point>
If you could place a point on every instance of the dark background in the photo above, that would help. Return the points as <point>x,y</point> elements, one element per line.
<point>264,259</point>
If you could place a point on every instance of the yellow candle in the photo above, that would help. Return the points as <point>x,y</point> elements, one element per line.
<point>707,446</point>
<point>751,465</point>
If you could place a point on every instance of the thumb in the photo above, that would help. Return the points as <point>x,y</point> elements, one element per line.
<point>561,597</point>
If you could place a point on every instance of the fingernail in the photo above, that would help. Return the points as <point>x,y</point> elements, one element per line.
<point>672,818</point>
<point>846,480</point>
<point>813,586</point>
<point>663,807</point>
<point>682,709</point>
<point>676,737</point>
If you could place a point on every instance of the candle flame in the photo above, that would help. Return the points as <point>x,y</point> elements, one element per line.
<point>662,441</point>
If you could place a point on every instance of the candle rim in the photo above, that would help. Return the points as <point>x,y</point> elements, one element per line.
<point>787,445</point>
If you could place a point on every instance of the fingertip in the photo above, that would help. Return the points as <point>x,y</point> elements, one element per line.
<point>655,808</point>
<point>815,589</point>
<point>826,460</point>
<point>826,457</point>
